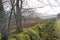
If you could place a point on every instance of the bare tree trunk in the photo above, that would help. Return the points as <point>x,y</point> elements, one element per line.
<point>2,22</point>
<point>19,16</point>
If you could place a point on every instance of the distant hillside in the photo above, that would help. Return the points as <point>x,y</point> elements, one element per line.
<point>49,16</point>
<point>58,16</point>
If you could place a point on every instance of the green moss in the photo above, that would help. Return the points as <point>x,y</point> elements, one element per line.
<point>20,37</point>
<point>33,34</point>
<point>12,39</point>
<point>15,37</point>
<point>24,37</point>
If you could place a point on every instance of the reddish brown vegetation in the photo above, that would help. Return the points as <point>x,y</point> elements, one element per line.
<point>27,24</point>
<point>31,23</point>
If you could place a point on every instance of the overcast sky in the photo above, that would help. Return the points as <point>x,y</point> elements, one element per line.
<point>48,7</point>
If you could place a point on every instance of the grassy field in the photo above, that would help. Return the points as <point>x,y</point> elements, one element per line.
<point>57,29</point>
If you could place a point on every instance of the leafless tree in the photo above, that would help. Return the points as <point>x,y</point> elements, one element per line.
<point>3,22</point>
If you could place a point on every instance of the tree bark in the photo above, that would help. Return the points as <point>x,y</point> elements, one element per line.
<point>18,16</point>
<point>2,22</point>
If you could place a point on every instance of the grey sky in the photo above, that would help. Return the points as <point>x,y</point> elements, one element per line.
<point>49,7</point>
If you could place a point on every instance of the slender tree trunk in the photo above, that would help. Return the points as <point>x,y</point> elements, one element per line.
<point>19,16</point>
<point>2,22</point>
